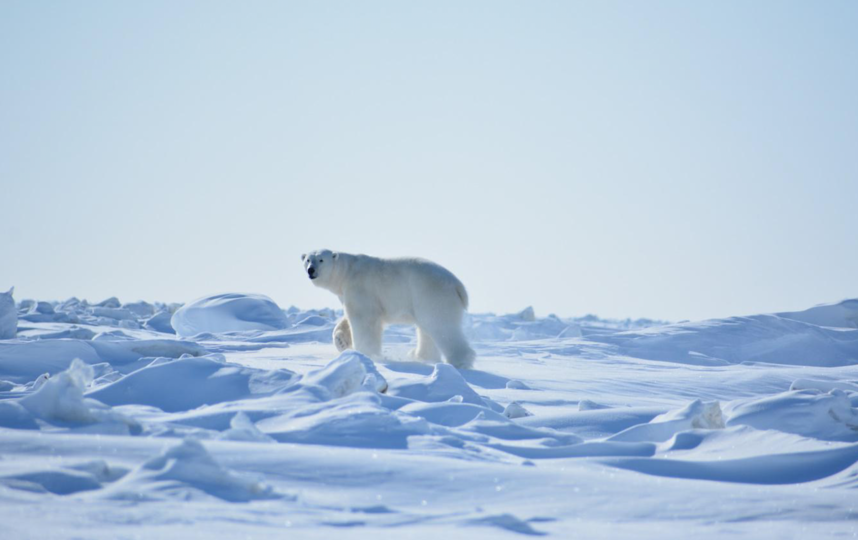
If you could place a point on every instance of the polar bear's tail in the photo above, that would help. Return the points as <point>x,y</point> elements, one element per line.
<point>463,294</point>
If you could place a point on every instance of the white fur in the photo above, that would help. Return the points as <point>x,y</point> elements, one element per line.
<point>376,292</point>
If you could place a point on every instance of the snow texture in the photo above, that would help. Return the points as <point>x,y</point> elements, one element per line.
<point>228,313</point>
<point>247,422</point>
<point>8,315</point>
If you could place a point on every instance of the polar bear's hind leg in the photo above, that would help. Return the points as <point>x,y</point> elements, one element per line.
<point>453,343</point>
<point>426,350</point>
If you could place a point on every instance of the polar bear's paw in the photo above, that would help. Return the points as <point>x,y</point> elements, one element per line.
<point>463,359</point>
<point>342,341</point>
<point>343,335</point>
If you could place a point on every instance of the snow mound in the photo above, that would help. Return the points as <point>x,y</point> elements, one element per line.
<point>444,383</point>
<point>242,428</point>
<point>842,315</point>
<point>188,383</point>
<point>811,413</point>
<point>520,326</point>
<point>358,420</point>
<point>60,401</point>
<point>447,413</point>
<point>515,410</point>
<point>188,472</point>
<point>774,469</point>
<point>119,351</point>
<point>759,338</point>
<point>697,415</point>
<point>141,309</point>
<point>160,322</point>
<point>231,312</point>
<point>421,446</point>
<point>348,373</point>
<point>8,315</point>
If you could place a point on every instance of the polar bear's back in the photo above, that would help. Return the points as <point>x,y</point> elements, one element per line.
<point>437,277</point>
<point>420,276</point>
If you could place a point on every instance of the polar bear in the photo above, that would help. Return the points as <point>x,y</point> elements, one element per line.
<point>376,292</point>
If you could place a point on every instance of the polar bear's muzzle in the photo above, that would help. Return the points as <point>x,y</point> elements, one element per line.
<point>312,273</point>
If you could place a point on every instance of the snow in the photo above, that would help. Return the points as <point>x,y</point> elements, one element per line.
<point>8,315</point>
<point>247,423</point>
<point>228,313</point>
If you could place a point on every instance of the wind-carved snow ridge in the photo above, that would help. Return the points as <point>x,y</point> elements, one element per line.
<point>811,412</point>
<point>187,471</point>
<point>110,425</point>
<point>444,384</point>
<point>697,415</point>
<point>348,373</point>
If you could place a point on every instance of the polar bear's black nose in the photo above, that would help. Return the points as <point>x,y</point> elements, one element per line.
<point>311,272</point>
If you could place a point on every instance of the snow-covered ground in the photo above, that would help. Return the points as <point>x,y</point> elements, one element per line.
<point>252,426</point>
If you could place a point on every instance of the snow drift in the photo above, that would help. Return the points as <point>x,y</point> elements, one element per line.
<point>249,421</point>
<point>228,313</point>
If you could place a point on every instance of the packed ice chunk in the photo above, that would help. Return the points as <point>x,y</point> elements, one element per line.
<point>697,415</point>
<point>527,314</point>
<point>589,405</point>
<point>61,399</point>
<point>515,410</point>
<point>160,322</point>
<point>119,314</point>
<point>39,381</point>
<point>348,373</point>
<point>45,308</point>
<point>231,312</point>
<point>111,302</point>
<point>8,315</point>
<point>242,428</point>
<point>141,309</point>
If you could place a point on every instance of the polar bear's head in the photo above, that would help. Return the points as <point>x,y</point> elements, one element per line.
<point>319,266</point>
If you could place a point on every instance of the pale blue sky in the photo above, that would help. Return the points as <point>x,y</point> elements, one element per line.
<point>677,160</point>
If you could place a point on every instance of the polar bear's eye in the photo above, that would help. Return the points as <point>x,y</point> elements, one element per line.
<point>321,261</point>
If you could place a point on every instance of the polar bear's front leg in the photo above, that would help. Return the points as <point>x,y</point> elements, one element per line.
<point>343,335</point>
<point>366,329</point>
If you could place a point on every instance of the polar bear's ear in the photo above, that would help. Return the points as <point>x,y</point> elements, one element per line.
<point>303,256</point>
